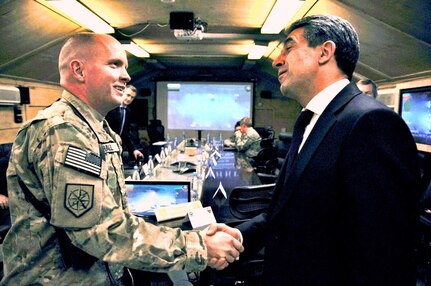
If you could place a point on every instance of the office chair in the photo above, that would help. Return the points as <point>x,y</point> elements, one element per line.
<point>283,144</point>
<point>246,202</point>
<point>266,161</point>
<point>266,132</point>
<point>156,131</point>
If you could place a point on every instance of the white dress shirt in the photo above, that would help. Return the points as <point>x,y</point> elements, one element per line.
<point>319,103</point>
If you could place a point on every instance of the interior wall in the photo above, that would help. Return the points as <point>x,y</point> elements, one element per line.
<point>41,95</point>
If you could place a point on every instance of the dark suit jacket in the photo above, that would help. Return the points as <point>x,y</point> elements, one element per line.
<point>114,119</point>
<point>346,213</point>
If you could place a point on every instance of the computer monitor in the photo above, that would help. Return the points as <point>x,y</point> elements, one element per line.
<point>145,196</point>
<point>415,109</point>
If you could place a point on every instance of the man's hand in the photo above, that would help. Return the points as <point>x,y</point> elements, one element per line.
<point>223,245</point>
<point>4,202</point>
<point>138,154</point>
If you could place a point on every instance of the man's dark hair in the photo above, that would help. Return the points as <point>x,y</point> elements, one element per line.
<point>369,82</point>
<point>321,28</point>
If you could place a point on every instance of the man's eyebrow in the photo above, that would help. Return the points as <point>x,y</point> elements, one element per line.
<point>287,41</point>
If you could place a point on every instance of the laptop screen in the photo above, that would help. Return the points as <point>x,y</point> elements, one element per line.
<point>145,196</point>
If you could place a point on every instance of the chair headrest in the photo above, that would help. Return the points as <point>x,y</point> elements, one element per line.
<point>248,201</point>
<point>285,136</point>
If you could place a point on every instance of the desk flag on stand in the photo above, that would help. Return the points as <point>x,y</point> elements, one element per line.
<point>210,172</point>
<point>220,189</point>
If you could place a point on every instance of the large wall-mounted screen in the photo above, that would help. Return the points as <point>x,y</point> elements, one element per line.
<point>207,106</point>
<point>415,109</point>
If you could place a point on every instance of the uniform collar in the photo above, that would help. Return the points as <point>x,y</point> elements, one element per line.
<point>91,116</point>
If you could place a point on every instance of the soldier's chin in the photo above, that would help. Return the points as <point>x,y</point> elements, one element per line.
<point>118,100</point>
<point>285,90</point>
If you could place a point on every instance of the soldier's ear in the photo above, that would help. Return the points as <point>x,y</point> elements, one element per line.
<point>77,69</point>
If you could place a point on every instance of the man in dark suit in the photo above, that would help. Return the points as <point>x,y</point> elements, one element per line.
<point>119,121</point>
<point>368,87</point>
<point>344,212</point>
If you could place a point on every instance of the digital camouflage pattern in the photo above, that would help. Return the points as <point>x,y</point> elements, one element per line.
<point>248,142</point>
<point>76,167</point>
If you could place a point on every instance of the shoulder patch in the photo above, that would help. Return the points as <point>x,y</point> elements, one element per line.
<point>83,160</point>
<point>78,198</point>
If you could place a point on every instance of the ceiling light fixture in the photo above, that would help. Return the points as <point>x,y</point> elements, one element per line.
<point>135,49</point>
<point>81,15</point>
<point>280,15</point>
<point>257,51</point>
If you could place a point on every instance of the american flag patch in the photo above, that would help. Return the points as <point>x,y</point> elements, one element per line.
<point>83,160</point>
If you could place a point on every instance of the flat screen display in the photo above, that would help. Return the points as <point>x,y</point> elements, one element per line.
<point>183,105</point>
<point>144,197</point>
<point>415,109</point>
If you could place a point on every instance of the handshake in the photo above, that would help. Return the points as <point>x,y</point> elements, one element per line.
<point>224,244</point>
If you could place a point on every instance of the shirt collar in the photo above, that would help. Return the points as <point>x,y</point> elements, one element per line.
<point>321,100</point>
<point>93,118</point>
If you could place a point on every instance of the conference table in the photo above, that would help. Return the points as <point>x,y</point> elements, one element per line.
<point>228,169</point>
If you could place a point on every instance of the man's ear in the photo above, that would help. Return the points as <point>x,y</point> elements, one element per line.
<point>327,52</point>
<point>77,69</point>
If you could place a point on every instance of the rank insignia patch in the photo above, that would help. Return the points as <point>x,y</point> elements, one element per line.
<point>83,160</point>
<point>78,198</point>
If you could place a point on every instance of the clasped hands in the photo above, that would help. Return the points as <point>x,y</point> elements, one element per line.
<point>224,244</point>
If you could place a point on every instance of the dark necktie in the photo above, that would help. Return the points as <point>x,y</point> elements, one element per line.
<point>298,133</point>
<point>123,118</point>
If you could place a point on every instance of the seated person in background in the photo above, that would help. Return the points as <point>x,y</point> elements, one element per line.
<point>368,87</point>
<point>247,139</point>
<point>230,142</point>
<point>119,121</point>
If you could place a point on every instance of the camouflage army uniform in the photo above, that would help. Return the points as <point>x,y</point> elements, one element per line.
<point>66,158</point>
<point>248,142</point>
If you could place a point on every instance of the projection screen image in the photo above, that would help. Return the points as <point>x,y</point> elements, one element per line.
<point>204,105</point>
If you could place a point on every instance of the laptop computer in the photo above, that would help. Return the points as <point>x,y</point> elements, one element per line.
<point>145,197</point>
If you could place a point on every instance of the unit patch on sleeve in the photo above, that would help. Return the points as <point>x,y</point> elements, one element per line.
<point>78,199</point>
<point>83,160</point>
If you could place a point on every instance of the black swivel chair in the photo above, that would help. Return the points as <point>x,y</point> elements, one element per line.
<point>246,202</point>
<point>266,132</point>
<point>266,162</point>
<point>283,144</point>
<point>156,131</point>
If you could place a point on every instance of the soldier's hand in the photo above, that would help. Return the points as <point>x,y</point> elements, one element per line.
<point>218,263</point>
<point>222,245</point>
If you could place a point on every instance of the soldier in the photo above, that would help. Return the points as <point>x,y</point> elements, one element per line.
<point>71,223</point>
<point>247,139</point>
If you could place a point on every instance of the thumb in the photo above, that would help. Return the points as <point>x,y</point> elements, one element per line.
<point>211,230</point>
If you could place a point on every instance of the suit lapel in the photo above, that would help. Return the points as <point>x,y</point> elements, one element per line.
<point>288,183</point>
